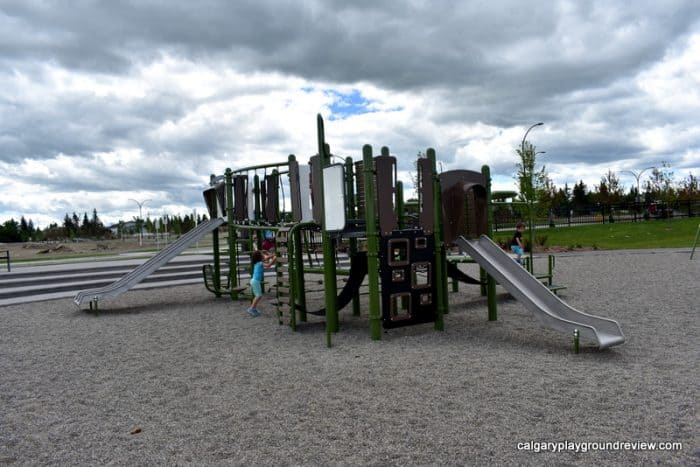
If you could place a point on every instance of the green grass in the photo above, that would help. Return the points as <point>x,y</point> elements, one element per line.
<point>673,233</point>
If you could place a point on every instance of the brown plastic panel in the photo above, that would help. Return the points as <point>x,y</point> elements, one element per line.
<point>315,165</point>
<point>272,184</point>
<point>463,204</point>
<point>240,197</point>
<point>385,169</point>
<point>295,190</point>
<point>425,192</point>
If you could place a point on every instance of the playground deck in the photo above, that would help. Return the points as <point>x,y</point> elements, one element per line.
<point>177,376</point>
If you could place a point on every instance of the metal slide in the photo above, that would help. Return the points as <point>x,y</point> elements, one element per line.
<point>549,309</point>
<point>144,270</point>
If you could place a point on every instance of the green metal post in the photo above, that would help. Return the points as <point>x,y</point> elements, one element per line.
<point>232,240</point>
<point>215,250</point>
<point>217,262</point>
<point>297,272</point>
<point>329,276</point>
<point>490,281</point>
<point>695,243</point>
<point>375,324</point>
<point>440,259</point>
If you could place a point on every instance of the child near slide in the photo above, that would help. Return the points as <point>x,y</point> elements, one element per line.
<point>516,245</point>
<point>260,260</point>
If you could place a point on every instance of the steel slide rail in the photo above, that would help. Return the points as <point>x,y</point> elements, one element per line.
<point>145,269</point>
<point>549,309</point>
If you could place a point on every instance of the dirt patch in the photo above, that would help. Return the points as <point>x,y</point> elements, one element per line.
<point>29,250</point>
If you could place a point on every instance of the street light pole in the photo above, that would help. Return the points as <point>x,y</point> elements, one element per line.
<point>529,200</point>
<point>637,176</point>
<point>140,203</point>
<point>522,143</point>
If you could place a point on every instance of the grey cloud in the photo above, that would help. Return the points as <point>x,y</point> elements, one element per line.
<point>504,63</point>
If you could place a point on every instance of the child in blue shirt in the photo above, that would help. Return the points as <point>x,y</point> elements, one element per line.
<point>260,260</point>
<point>516,244</point>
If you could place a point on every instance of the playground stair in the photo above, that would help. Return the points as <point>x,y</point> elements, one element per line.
<point>284,295</point>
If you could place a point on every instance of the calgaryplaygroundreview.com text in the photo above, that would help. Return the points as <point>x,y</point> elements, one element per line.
<point>573,446</point>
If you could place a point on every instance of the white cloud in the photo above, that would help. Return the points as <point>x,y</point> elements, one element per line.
<point>149,100</point>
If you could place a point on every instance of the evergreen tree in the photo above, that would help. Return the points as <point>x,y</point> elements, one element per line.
<point>85,226</point>
<point>67,226</point>
<point>581,197</point>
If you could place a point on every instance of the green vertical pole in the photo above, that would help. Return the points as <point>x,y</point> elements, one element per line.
<point>215,251</point>
<point>298,272</point>
<point>695,243</point>
<point>349,190</point>
<point>440,259</point>
<point>490,281</point>
<point>217,261</point>
<point>232,242</point>
<point>329,275</point>
<point>375,324</point>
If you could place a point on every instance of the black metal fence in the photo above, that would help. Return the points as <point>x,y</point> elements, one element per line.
<point>507,215</point>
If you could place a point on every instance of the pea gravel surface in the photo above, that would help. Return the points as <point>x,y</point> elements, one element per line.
<point>176,376</point>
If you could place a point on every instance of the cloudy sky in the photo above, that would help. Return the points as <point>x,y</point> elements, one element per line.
<point>104,102</point>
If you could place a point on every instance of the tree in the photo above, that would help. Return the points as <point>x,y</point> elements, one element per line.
<point>533,185</point>
<point>531,182</point>
<point>660,184</point>
<point>609,191</point>
<point>10,231</point>
<point>68,226</point>
<point>85,226</point>
<point>561,201</point>
<point>689,189</point>
<point>581,197</point>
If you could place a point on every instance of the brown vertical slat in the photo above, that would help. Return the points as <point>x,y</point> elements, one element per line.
<point>384,170</point>
<point>272,199</point>
<point>315,165</point>
<point>240,197</point>
<point>295,190</point>
<point>425,190</point>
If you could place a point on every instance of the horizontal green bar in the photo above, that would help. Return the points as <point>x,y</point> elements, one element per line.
<point>261,167</point>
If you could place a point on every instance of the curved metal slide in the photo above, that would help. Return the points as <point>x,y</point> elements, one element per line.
<point>129,280</point>
<point>549,309</point>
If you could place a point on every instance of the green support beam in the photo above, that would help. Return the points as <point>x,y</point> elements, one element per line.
<point>328,250</point>
<point>440,254</point>
<point>490,281</point>
<point>375,320</point>
<point>232,239</point>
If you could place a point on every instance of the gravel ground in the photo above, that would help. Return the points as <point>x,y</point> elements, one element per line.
<point>176,376</point>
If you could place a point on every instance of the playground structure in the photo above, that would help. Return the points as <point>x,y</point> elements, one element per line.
<point>359,207</point>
